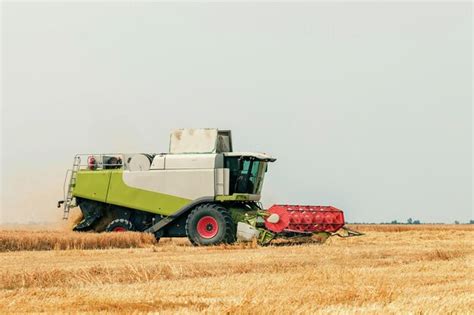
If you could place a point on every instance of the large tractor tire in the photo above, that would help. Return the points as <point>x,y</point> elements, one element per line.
<point>210,224</point>
<point>119,225</point>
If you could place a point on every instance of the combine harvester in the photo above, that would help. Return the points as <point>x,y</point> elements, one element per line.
<point>201,189</point>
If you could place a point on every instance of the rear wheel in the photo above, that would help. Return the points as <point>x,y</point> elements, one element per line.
<point>119,225</point>
<point>210,224</point>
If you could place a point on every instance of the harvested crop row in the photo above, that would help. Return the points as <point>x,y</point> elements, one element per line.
<point>60,240</point>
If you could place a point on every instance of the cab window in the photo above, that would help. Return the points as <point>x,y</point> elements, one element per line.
<point>246,176</point>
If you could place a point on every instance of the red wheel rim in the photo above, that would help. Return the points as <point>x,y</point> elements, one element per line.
<point>207,227</point>
<point>119,229</point>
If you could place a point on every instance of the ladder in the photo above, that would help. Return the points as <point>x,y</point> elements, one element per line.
<point>68,197</point>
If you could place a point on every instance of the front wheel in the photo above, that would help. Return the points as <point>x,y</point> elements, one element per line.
<point>210,224</point>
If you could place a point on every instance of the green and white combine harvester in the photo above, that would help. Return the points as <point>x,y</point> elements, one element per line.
<point>201,189</point>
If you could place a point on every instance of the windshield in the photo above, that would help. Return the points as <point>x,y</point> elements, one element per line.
<point>246,175</point>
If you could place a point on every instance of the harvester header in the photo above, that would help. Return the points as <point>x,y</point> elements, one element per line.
<point>201,189</point>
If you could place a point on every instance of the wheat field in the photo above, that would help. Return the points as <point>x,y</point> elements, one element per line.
<point>391,269</point>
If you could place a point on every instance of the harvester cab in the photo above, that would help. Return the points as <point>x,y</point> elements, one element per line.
<point>200,189</point>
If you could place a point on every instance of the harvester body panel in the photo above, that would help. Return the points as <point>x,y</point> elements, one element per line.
<point>171,182</point>
<point>206,140</point>
<point>93,185</point>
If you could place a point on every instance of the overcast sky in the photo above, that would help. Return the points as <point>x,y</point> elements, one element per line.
<point>367,106</point>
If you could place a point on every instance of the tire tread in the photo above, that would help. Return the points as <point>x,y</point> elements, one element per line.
<point>230,230</point>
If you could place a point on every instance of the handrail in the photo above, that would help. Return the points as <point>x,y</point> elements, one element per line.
<point>101,160</point>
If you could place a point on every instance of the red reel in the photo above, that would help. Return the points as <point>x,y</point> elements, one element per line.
<point>308,219</point>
